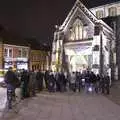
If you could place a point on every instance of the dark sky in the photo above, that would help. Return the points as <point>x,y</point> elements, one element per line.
<point>36,18</point>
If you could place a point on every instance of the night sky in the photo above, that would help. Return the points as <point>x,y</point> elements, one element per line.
<point>37,18</point>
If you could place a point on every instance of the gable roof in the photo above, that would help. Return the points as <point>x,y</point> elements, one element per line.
<point>79,5</point>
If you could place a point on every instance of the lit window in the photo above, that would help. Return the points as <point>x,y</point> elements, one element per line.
<point>99,14</point>
<point>19,53</point>
<point>5,52</point>
<point>76,33</point>
<point>72,34</point>
<point>10,52</point>
<point>85,35</point>
<point>24,53</point>
<point>112,11</point>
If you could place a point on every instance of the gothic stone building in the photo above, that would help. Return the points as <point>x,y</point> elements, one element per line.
<point>83,41</point>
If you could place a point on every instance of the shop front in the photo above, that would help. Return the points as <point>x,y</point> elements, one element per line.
<point>78,56</point>
<point>16,63</point>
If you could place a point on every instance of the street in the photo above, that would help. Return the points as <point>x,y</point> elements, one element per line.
<point>66,106</point>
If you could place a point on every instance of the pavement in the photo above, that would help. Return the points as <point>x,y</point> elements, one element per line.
<point>66,106</point>
<point>115,93</point>
<point>2,98</point>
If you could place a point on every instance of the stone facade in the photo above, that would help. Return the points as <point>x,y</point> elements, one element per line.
<point>108,10</point>
<point>39,60</point>
<point>82,30</point>
<point>15,56</point>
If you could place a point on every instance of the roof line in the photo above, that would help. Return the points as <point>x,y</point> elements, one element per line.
<point>76,5</point>
<point>105,5</point>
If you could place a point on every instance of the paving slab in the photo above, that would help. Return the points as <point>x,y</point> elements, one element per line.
<point>67,106</point>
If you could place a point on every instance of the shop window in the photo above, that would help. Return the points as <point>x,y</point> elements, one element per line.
<point>112,11</point>
<point>99,14</point>
<point>76,32</point>
<point>10,52</point>
<point>19,53</point>
<point>24,53</point>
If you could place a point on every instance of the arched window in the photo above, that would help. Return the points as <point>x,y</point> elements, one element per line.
<point>112,11</point>
<point>76,32</point>
<point>78,27</point>
<point>99,14</point>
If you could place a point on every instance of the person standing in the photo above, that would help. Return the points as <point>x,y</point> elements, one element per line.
<point>51,82</point>
<point>12,82</point>
<point>46,77</point>
<point>39,78</point>
<point>72,82</point>
<point>107,84</point>
<point>78,80</point>
<point>62,82</point>
<point>32,82</point>
<point>24,82</point>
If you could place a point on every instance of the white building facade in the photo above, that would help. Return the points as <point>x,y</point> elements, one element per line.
<point>83,41</point>
<point>108,10</point>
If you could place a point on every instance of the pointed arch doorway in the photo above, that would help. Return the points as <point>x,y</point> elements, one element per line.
<point>79,56</point>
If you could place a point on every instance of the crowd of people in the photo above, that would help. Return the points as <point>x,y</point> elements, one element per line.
<point>35,81</point>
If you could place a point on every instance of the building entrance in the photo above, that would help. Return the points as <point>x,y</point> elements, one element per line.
<point>80,62</point>
<point>79,57</point>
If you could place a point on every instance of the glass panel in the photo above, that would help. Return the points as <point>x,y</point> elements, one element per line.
<point>76,33</point>
<point>5,52</point>
<point>112,11</point>
<point>99,14</point>
<point>19,52</point>
<point>24,53</point>
<point>10,52</point>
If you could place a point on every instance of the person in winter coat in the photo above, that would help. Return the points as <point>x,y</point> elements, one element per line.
<point>107,84</point>
<point>25,82</point>
<point>78,80</point>
<point>72,81</point>
<point>51,82</point>
<point>62,82</point>
<point>87,80</point>
<point>32,83</point>
<point>98,87</point>
<point>39,78</point>
<point>46,77</point>
<point>12,81</point>
<point>57,76</point>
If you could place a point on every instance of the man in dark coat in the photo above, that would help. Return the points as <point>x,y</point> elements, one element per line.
<point>78,80</point>
<point>57,76</point>
<point>107,84</point>
<point>62,82</point>
<point>51,82</point>
<point>39,78</point>
<point>46,77</point>
<point>12,81</point>
<point>25,82</point>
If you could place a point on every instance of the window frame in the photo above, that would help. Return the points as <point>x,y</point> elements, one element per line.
<point>99,14</point>
<point>112,11</point>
